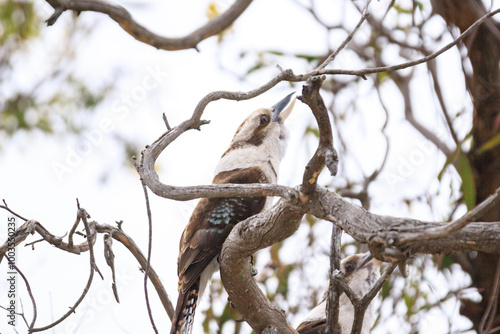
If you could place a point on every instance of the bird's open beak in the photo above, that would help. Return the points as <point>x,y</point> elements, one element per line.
<point>282,109</point>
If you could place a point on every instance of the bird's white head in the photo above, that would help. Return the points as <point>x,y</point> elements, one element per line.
<point>361,271</point>
<point>260,140</point>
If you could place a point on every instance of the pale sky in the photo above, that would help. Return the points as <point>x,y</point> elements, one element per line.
<point>152,82</point>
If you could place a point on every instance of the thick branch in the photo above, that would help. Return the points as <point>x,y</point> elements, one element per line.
<point>247,237</point>
<point>386,235</point>
<point>140,33</point>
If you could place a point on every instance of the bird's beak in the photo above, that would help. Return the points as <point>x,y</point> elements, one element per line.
<point>364,262</point>
<point>282,109</point>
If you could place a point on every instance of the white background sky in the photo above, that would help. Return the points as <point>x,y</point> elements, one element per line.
<point>111,192</point>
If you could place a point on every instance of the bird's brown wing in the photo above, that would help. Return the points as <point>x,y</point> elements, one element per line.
<point>212,221</point>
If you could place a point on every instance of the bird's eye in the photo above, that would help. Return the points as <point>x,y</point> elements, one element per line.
<point>349,266</point>
<point>264,119</point>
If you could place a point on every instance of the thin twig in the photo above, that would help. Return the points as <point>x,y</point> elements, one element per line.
<point>361,305</point>
<point>28,288</point>
<point>165,120</point>
<point>130,244</point>
<point>404,65</point>
<point>82,214</point>
<point>150,244</point>
<point>431,65</point>
<point>118,234</point>
<point>447,229</point>
<point>491,310</point>
<point>6,207</point>
<point>347,39</point>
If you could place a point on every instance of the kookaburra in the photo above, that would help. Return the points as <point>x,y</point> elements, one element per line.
<point>253,156</point>
<point>361,271</point>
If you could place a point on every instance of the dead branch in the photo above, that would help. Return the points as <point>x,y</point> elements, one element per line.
<point>30,293</point>
<point>387,236</point>
<point>130,244</point>
<point>325,153</point>
<point>32,226</point>
<point>121,16</point>
<point>151,153</point>
<point>148,262</point>
<point>82,215</point>
<point>257,232</point>
<point>334,290</point>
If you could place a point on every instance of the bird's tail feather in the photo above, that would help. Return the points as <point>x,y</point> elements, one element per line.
<point>182,322</point>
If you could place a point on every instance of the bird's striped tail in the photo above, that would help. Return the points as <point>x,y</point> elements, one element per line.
<point>182,322</point>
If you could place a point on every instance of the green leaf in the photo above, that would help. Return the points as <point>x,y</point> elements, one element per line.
<point>314,131</point>
<point>311,220</point>
<point>446,262</point>
<point>254,68</point>
<point>409,302</point>
<point>308,58</point>
<point>382,76</point>
<point>464,169</point>
<point>490,144</point>
<point>402,10</point>
<point>273,52</point>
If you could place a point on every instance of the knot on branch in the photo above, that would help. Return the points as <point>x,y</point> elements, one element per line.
<point>199,124</point>
<point>384,249</point>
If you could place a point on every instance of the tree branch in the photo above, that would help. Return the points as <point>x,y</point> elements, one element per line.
<point>257,232</point>
<point>140,33</point>
<point>129,243</point>
<point>388,237</point>
<point>32,226</point>
<point>148,262</point>
<point>82,214</point>
<point>28,288</point>
<point>334,290</point>
<point>325,153</point>
<point>151,153</point>
<point>361,306</point>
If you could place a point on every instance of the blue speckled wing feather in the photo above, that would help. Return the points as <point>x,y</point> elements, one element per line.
<point>211,223</point>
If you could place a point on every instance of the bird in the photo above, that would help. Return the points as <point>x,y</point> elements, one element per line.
<point>361,271</point>
<point>253,156</point>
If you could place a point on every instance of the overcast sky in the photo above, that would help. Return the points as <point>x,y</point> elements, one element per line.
<point>41,176</point>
